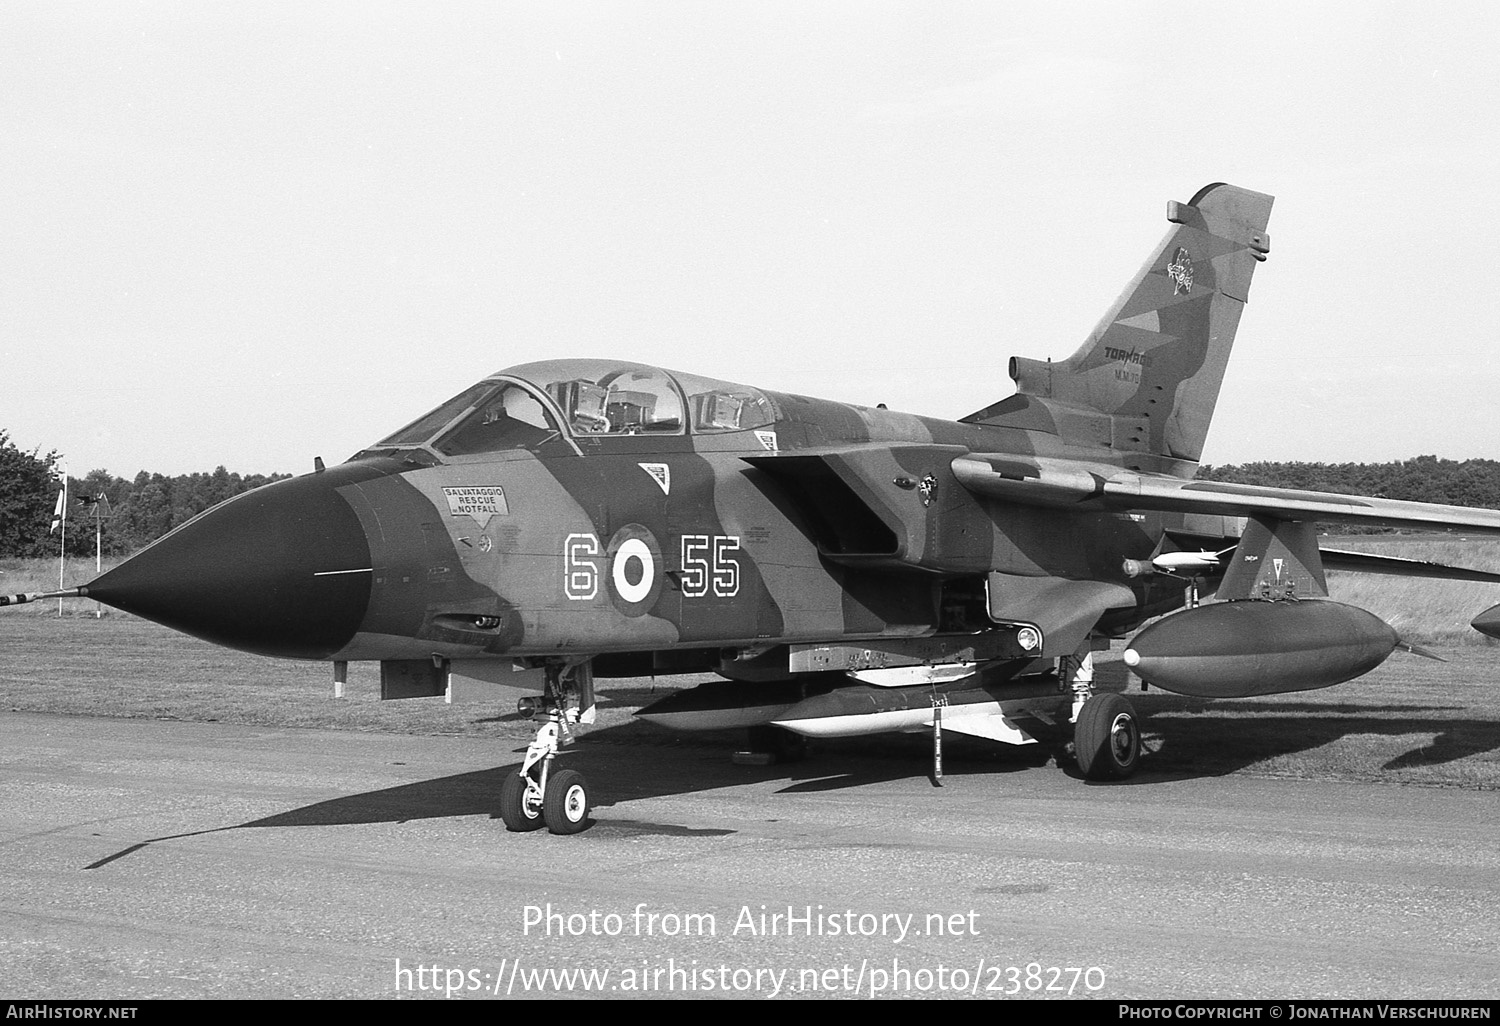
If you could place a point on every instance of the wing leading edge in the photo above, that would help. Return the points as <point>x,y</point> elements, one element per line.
<point>1083,486</point>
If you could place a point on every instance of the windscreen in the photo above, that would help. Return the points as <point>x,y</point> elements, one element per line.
<point>419,431</point>
<point>509,418</point>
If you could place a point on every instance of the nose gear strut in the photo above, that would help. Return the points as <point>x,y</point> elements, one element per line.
<point>535,795</point>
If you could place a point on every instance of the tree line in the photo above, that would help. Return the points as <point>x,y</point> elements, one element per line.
<point>1421,479</point>
<point>137,511</point>
<point>133,512</point>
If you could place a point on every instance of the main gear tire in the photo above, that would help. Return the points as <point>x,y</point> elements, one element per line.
<point>565,807</point>
<point>1107,738</point>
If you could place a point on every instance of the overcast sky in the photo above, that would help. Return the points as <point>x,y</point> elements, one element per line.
<point>252,233</point>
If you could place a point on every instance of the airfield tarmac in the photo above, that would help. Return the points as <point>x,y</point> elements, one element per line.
<point>169,859</point>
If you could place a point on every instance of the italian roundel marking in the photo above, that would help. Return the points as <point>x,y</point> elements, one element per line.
<point>635,570</point>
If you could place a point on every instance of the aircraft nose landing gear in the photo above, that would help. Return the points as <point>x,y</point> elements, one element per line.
<point>535,795</point>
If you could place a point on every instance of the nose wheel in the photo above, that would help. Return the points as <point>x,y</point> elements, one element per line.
<point>565,805</point>
<point>536,794</point>
<point>521,802</point>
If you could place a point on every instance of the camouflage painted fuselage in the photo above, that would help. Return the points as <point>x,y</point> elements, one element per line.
<point>581,509</point>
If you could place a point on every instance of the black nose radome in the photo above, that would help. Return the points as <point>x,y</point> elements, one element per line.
<point>281,571</point>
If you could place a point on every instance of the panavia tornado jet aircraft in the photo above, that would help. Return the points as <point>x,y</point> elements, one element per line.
<point>845,570</point>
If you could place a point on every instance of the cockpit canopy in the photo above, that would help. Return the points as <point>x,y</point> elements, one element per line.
<point>527,406</point>
<point>610,399</point>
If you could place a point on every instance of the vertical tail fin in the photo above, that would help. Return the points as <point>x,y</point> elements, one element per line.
<point>1156,360</point>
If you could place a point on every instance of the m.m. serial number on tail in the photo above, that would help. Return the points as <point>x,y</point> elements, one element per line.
<point>1130,358</point>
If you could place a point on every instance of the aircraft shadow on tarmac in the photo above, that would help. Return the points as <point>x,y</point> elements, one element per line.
<point>638,760</point>
<point>1247,732</point>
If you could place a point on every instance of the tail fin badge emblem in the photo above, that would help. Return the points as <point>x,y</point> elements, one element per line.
<point>1180,270</point>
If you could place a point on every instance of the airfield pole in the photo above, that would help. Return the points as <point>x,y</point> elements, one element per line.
<point>99,502</point>
<point>62,545</point>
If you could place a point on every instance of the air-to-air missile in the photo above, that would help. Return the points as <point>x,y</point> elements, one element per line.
<point>847,569</point>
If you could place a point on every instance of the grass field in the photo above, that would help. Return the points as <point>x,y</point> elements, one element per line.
<point>1412,721</point>
<point>1422,610</point>
<point>28,575</point>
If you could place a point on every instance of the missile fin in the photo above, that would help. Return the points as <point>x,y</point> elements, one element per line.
<point>1418,650</point>
<point>990,724</point>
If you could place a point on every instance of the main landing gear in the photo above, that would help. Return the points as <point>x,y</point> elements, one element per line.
<point>1106,729</point>
<point>537,794</point>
